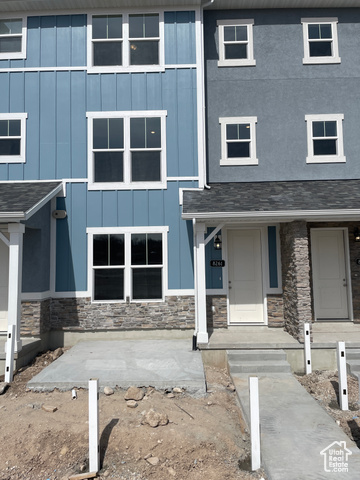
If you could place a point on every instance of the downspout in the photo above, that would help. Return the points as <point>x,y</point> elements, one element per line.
<point>206,186</point>
<point>194,340</point>
<point>204,5</point>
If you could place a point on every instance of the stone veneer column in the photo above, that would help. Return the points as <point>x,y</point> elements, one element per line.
<point>296,277</point>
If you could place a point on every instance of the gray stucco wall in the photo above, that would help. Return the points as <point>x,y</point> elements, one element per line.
<point>280,91</point>
<point>36,252</point>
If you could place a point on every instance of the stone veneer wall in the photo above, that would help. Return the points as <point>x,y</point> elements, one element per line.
<point>354,251</point>
<point>275,310</point>
<point>296,277</point>
<point>217,316</point>
<point>35,317</point>
<point>80,314</point>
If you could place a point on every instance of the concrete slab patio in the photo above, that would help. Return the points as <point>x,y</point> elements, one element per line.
<point>122,363</point>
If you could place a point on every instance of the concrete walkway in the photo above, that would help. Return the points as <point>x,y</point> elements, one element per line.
<point>157,363</point>
<point>294,430</point>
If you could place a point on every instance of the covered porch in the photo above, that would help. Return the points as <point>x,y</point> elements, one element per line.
<point>290,255</point>
<point>19,202</point>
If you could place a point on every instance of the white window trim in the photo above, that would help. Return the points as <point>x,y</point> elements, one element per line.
<point>240,62</point>
<point>252,160</point>
<point>127,231</point>
<point>320,60</point>
<point>22,53</point>
<point>340,157</point>
<point>126,184</point>
<point>16,158</point>
<point>126,67</point>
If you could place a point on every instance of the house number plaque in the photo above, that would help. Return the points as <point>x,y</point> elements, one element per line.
<point>217,263</point>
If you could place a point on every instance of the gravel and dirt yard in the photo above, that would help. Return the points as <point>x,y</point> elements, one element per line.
<point>205,437</point>
<point>324,387</point>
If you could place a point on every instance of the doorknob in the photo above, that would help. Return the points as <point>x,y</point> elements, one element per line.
<point>344,284</point>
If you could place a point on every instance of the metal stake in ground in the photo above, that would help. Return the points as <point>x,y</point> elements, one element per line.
<point>341,363</point>
<point>254,422</point>
<point>307,348</point>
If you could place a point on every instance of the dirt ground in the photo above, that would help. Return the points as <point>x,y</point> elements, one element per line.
<point>324,387</point>
<point>206,437</point>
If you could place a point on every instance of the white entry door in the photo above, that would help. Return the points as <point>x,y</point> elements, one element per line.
<point>329,275</point>
<point>4,280</point>
<point>245,276</point>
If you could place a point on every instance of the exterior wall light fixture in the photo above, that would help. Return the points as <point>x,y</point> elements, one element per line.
<point>356,234</point>
<point>217,242</point>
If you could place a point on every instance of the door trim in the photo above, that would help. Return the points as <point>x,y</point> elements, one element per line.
<point>263,249</point>
<point>345,231</point>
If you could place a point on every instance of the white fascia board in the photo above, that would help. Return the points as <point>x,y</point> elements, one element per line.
<point>43,201</point>
<point>281,216</point>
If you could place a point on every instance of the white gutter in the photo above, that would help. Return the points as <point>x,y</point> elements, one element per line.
<point>282,215</point>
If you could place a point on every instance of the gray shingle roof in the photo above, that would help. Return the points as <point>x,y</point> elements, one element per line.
<point>274,197</point>
<point>20,197</point>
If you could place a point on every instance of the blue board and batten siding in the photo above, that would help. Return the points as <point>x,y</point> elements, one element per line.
<point>56,137</point>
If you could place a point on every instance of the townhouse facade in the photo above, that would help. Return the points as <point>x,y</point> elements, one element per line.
<point>99,116</point>
<point>283,167</point>
<point>184,165</point>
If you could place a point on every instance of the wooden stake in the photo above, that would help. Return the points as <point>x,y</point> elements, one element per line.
<point>307,347</point>
<point>341,362</point>
<point>254,423</point>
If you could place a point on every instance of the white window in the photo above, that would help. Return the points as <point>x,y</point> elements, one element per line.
<point>238,141</point>
<point>12,38</point>
<point>127,150</point>
<point>325,138</point>
<point>127,264</point>
<point>236,43</point>
<point>12,137</point>
<point>121,42</point>
<point>320,40</point>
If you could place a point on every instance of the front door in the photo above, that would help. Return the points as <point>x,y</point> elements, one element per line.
<point>245,276</point>
<point>329,275</point>
<point>4,279</point>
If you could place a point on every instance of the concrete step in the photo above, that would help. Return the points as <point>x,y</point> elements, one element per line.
<point>257,362</point>
<point>254,366</point>
<point>353,361</point>
<point>352,354</point>
<point>257,355</point>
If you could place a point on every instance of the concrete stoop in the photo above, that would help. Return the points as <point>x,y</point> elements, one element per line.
<point>353,361</point>
<point>257,362</point>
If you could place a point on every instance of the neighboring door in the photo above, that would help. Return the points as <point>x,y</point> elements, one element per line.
<point>4,280</point>
<point>329,275</point>
<point>245,276</point>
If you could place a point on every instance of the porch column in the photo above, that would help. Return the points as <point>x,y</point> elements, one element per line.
<point>200,285</point>
<point>16,231</point>
<point>296,277</point>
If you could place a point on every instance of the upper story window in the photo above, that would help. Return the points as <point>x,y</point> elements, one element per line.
<point>128,263</point>
<point>12,38</point>
<point>126,42</point>
<point>325,138</point>
<point>238,142</point>
<point>12,137</point>
<point>236,43</point>
<point>320,40</point>
<point>127,150</point>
